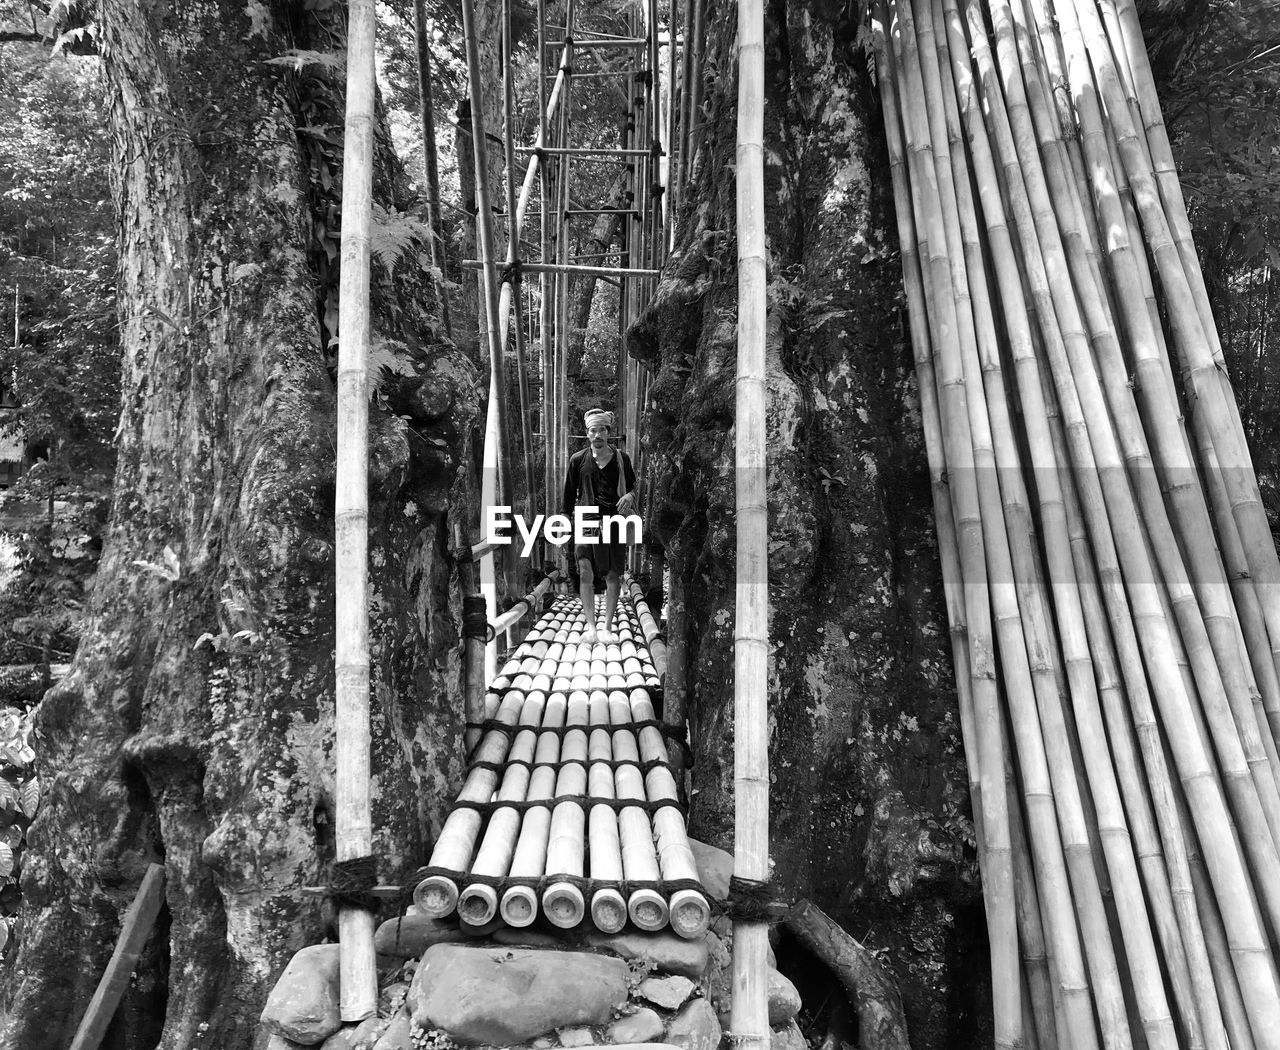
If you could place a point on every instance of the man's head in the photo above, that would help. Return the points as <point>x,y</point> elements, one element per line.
<point>599,424</point>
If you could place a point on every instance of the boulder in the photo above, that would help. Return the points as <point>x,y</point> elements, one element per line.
<point>715,867</point>
<point>504,996</point>
<point>398,1035</point>
<point>695,1027</point>
<point>668,992</point>
<point>340,1040</point>
<point>279,1042</point>
<point>576,1037</point>
<point>303,1006</point>
<point>788,1037</point>
<point>665,952</point>
<point>527,938</point>
<point>643,1026</point>
<point>366,1033</point>
<point>411,935</point>
<point>784,999</point>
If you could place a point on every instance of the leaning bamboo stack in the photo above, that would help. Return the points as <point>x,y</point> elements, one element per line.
<point>569,809</point>
<point>1101,529</point>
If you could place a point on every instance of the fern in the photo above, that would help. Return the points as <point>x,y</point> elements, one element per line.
<point>395,234</point>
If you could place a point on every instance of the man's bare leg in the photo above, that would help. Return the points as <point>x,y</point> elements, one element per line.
<point>587,592</point>
<point>612,587</point>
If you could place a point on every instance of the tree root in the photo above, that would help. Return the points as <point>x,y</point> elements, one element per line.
<point>881,1022</point>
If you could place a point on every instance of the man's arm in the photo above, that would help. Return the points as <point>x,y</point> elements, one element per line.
<point>570,498</point>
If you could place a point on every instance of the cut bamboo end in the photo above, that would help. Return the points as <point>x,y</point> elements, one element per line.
<point>690,913</point>
<point>437,896</point>
<point>478,905</point>
<point>648,910</point>
<point>563,905</point>
<point>608,911</point>
<point>519,906</point>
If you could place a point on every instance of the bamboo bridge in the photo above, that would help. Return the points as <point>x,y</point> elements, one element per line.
<point>1111,579</point>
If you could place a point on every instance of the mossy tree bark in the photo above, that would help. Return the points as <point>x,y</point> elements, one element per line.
<point>195,726</point>
<point>869,800</point>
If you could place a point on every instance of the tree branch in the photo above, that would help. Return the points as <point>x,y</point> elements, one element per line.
<point>881,1022</point>
<point>17,36</point>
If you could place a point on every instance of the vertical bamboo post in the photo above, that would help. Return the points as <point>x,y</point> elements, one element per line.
<point>749,1017</point>
<point>511,287</point>
<point>496,427</point>
<point>354,822</point>
<point>431,169</point>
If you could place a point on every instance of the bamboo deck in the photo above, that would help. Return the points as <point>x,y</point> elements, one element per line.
<point>569,809</point>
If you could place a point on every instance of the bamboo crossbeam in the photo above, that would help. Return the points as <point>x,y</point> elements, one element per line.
<point>584,271</point>
<point>583,151</point>
<point>590,44</point>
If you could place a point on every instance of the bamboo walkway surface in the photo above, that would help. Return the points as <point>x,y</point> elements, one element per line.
<point>569,807</point>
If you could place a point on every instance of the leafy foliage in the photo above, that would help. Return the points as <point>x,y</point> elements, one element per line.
<point>19,800</point>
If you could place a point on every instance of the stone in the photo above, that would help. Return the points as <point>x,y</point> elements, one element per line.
<point>788,1037</point>
<point>576,1036</point>
<point>411,935</point>
<point>665,952</point>
<point>543,1042</point>
<point>398,1035</point>
<point>366,1033</point>
<point>784,999</point>
<point>303,1006</point>
<point>715,867</point>
<point>643,1026</point>
<point>340,1040</point>
<point>667,992</point>
<point>503,996</point>
<point>696,1027</point>
<point>527,938</point>
<point>279,1042</point>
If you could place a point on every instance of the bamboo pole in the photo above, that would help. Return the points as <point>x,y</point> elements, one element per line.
<point>352,735</point>
<point>439,256</point>
<point>563,902</point>
<point>1115,518</point>
<point>478,901</point>
<point>998,885</point>
<point>513,260</point>
<point>437,895</point>
<point>690,914</point>
<point>608,906</point>
<point>1027,651</point>
<point>647,907</point>
<point>519,905</point>
<point>749,1019</point>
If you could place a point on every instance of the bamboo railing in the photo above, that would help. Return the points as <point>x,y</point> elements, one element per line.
<point>1100,529</point>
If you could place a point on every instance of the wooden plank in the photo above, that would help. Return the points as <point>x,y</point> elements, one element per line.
<point>137,924</point>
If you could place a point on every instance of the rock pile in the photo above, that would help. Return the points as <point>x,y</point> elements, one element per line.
<point>533,989</point>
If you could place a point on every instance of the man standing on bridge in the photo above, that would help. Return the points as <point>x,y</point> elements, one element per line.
<point>599,476</point>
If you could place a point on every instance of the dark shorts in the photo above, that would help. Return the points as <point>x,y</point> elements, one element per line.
<point>604,557</point>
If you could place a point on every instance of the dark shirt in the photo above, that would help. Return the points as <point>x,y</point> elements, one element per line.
<point>589,484</point>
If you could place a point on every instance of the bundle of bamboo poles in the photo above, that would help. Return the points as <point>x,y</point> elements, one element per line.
<point>568,808</point>
<point>1110,575</point>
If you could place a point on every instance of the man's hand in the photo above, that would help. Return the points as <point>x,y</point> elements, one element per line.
<point>626,503</point>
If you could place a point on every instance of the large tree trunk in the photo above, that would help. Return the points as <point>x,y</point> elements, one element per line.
<point>195,726</point>
<point>868,788</point>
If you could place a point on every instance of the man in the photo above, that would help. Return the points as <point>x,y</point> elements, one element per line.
<point>602,477</point>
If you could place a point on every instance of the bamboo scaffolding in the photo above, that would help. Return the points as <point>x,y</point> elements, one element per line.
<point>354,822</point>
